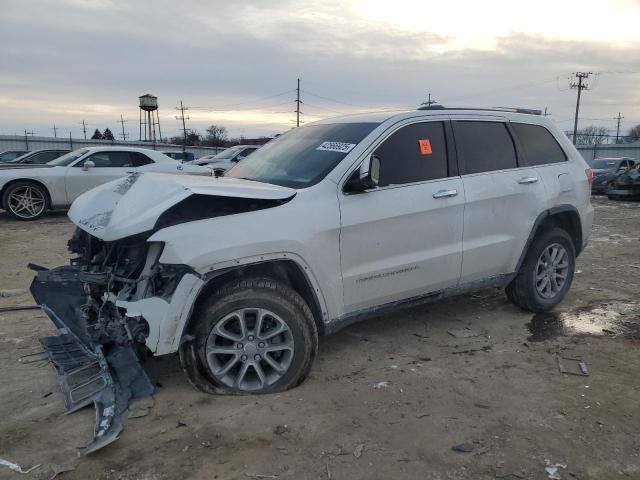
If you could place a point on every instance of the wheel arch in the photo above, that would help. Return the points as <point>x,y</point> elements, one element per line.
<point>562,216</point>
<point>29,180</point>
<point>293,273</point>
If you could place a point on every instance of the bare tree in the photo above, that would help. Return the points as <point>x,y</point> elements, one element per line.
<point>216,136</point>
<point>633,135</point>
<point>592,135</point>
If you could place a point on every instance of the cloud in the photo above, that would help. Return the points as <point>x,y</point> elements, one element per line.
<point>67,61</point>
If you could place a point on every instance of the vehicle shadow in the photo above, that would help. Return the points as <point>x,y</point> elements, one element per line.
<point>53,216</point>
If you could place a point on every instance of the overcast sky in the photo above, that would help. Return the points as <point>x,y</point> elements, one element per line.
<point>235,63</point>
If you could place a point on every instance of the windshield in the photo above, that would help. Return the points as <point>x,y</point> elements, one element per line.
<point>227,154</point>
<point>603,163</point>
<point>303,156</point>
<point>67,159</point>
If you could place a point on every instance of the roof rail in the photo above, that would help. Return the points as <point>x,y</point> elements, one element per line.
<point>528,111</point>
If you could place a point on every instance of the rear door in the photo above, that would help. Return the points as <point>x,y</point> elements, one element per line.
<point>404,238</point>
<point>108,165</point>
<point>503,198</point>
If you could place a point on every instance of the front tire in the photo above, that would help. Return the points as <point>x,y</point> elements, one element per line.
<point>251,336</point>
<point>546,273</point>
<point>25,201</point>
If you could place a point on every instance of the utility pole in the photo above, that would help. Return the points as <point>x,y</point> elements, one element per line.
<point>545,112</point>
<point>55,132</point>
<point>620,117</point>
<point>298,102</point>
<point>182,108</point>
<point>429,102</point>
<point>26,138</point>
<point>581,76</point>
<point>124,135</point>
<point>70,142</point>
<point>84,129</point>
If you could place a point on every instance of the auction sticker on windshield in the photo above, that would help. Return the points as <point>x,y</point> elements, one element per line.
<point>336,147</point>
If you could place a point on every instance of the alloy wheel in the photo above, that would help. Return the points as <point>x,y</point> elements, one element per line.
<point>552,270</point>
<point>249,349</point>
<point>26,202</point>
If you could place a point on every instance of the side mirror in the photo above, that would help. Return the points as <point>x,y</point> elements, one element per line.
<point>367,176</point>
<point>87,165</point>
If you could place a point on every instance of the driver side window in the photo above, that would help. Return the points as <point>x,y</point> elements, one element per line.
<point>109,159</point>
<point>415,153</point>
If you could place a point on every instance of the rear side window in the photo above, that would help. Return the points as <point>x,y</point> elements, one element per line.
<point>415,153</point>
<point>484,147</point>
<point>109,159</point>
<point>538,145</point>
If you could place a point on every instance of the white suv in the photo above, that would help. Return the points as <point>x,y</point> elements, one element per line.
<point>330,223</point>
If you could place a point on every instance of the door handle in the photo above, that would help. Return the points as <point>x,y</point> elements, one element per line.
<point>445,193</point>
<point>525,180</point>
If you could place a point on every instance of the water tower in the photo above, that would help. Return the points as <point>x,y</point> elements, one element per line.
<point>149,118</point>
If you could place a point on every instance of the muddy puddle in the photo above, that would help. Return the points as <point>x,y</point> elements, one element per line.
<point>620,319</point>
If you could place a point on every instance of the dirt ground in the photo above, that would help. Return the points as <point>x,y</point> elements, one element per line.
<point>386,399</point>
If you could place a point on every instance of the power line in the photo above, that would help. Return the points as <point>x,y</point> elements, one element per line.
<point>581,76</point>
<point>222,108</point>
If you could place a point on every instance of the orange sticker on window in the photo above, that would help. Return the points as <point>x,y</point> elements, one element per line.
<point>425,146</point>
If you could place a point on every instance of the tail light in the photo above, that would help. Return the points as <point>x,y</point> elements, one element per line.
<point>589,173</point>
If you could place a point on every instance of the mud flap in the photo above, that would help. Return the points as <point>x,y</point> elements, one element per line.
<point>109,376</point>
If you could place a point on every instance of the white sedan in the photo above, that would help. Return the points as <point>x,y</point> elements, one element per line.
<point>28,191</point>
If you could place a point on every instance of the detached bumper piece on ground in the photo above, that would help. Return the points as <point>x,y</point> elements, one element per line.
<point>107,374</point>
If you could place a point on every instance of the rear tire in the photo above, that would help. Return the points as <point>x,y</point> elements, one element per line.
<point>251,336</point>
<point>546,273</point>
<point>25,200</point>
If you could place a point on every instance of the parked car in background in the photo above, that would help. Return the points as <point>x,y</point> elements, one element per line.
<point>181,156</point>
<point>8,155</point>
<point>606,169</point>
<point>226,159</point>
<point>28,191</point>
<point>626,186</point>
<point>44,155</point>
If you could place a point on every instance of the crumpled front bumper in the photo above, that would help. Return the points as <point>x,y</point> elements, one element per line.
<point>107,374</point>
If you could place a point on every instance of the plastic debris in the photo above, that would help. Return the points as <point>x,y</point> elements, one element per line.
<point>17,468</point>
<point>14,292</point>
<point>581,369</point>
<point>381,385</point>
<point>464,333</point>
<point>553,471</point>
<point>358,451</point>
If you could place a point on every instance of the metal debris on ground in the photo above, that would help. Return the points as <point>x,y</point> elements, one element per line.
<point>17,468</point>
<point>553,471</point>
<point>580,367</point>
<point>141,408</point>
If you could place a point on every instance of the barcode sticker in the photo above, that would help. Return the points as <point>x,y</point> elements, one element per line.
<point>336,147</point>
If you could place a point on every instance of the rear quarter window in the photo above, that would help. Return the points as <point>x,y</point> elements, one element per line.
<point>539,147</point>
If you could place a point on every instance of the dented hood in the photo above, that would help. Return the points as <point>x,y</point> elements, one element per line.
<point>132,205</point>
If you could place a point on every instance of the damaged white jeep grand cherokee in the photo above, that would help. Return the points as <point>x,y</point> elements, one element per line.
<point>328,224</point>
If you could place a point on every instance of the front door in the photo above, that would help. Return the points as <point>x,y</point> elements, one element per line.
<point>404,238</point>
